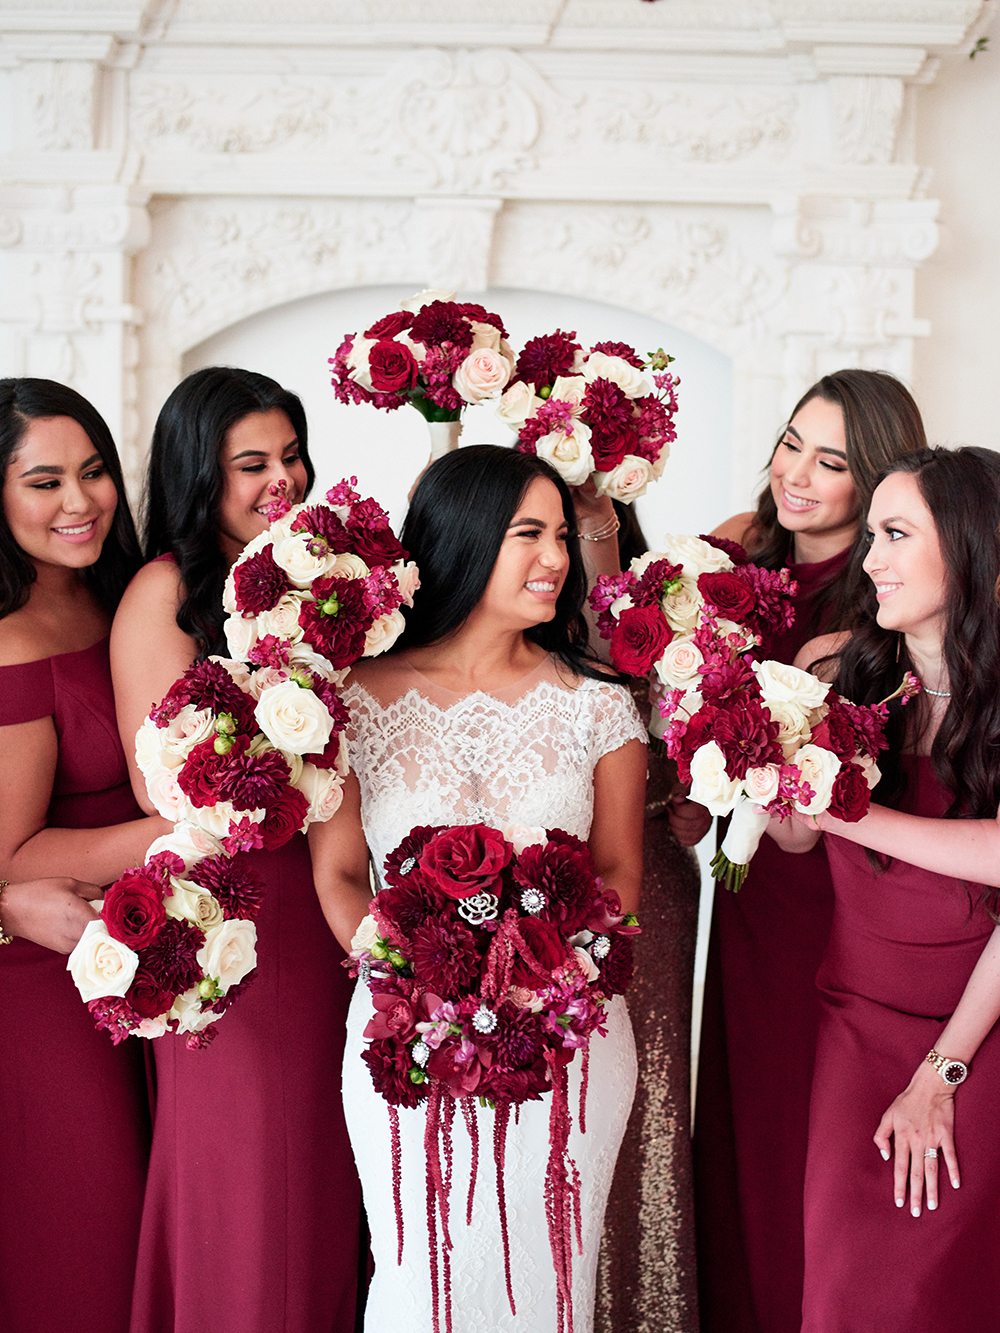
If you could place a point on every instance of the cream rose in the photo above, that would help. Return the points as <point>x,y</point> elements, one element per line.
<point>238,671</point>
<point>787,684</point>
<point>148,745</point>
<point>408,579</point>
<point>101,965</point>
<point>241,635</point>
<point>627,481</point>
<point>150,1027</point>
<point>570,389</point>
<point>793,724</point>
<point>301,655</point>
<point>357,361</point>
<point>683,609</point>
<point>482,374</point>
<point>294,719</point>
<point>420,299</point>
<point>569,454</point>
<point>384,633</point>
<point>631,381</point>
<point>819,768</point>
<point>264,678</point>
<point>365,937</point>
<point>761,784</point>
<point>484,335</point>
<point>323,788</point>
<point>283,618</point>
<point>189,728</point>
<point>216,819</point>
<point>524,835</point>
<point>193,903</point>
<point>661,461</point>
<point>696,556</point>
<point>292,554</point>
<point>586,964</point>
<point>229,952</point>
<point>188,1012</point>
<point>678,666</point>
<point>348,566</point>
<point>518,404</point>
<point>165,792</point>
<point>871,770</point>
<point>710,784</point>
<point>191,843</point>
<point>620,604</point>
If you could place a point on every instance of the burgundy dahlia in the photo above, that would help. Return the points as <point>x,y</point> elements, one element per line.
<point>544,359</point>
<point>171,958</point>
<point>323,522</point>
<point>251,782</point>
<point>483,316</point>
<point>206,685</point>
<point>746,736</point>
<point>518,1041</point>
<point>409,850</point>
<point>656,578</point>
<point>260,583</point>
<point>441,322</point>
<point>563,872</point>
<point>335,624</point>
<point>235,887</point>
<point>400,909</point>
<point>621,350</point>
<point>444,956</point>
<point>389,1065</point>
<point>201,775</point>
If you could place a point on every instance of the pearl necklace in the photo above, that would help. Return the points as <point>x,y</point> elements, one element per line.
<point>938,694</point>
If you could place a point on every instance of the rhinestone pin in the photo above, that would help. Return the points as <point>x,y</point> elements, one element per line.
<point>478,908</point>
<point>600,947</point>
<point>407,865</point>
<point>484,1020</point>
<point>421,1053</point>
<point>533,901</point>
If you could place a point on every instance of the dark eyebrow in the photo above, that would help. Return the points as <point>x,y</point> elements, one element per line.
<point>823,449</point>
<point>531,522</point>
<point>262,453</point>
<point>52,469</point>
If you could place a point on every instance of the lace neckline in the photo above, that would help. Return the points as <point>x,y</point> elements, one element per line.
<point>518,688</point>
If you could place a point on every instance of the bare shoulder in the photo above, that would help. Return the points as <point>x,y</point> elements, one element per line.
<point>157,583</point>
<point>20,642</point>
<point>824,646</point>
<point>740,528</point>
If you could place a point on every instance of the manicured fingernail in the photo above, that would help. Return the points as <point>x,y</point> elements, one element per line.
<point>885,1154</point>
<point>899,1203</point>
<point>932,1204</point>
<point>955,1182</point>
<point>915,1211</point>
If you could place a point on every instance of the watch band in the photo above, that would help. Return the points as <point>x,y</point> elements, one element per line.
<point>952,1071</point>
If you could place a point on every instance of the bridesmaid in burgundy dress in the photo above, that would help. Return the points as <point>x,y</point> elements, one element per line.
<point>910,983</point>
<point>253,1208</point>
<point>75,1113</point>
<point>767,941</point>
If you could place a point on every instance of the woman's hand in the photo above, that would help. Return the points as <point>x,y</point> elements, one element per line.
<point>921,1120</point>
<point>51,912</point>
<point>689,821</point>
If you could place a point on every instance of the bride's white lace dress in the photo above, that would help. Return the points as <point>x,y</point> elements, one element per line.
<point>523,755</point>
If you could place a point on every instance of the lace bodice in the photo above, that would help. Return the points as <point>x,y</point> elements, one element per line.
<point>523,755</point>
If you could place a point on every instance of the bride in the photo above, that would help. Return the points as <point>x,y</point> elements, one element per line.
<point>488,711</point>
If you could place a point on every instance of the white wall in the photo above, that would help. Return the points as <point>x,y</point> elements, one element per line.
<point>385,450</point>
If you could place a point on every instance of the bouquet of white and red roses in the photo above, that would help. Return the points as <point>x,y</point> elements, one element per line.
<point>761,738</point>
<point>435,353</point>
<point>604,413</point>
<point>490,961</point>
<point>668,611</point>
<point>241,754</point>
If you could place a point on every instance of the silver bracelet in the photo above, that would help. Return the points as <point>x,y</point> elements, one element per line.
<point>602,533</point>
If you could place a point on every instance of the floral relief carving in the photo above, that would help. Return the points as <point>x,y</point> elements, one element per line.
<point>698,125</point>
<point>865,113</point>
<point>59,99</point>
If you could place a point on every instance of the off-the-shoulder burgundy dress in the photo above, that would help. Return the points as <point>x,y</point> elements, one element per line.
<point>73,1108</point>
<point>903,945</point>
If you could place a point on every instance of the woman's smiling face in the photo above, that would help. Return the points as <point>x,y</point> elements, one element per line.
<point>810,482</point>
<point>258,452</point>
<point>532,562</point>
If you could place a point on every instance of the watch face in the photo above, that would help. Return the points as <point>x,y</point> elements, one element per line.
<point>954,1071</point>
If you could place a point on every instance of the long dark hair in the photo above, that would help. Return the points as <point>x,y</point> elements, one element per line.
<point>23,401</point>
<point>454,529</point>
<point>961,488</point>
<point>882,423</point>
<point>185,483</point>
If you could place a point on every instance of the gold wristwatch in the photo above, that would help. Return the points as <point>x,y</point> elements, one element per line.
<point>952,1071</point>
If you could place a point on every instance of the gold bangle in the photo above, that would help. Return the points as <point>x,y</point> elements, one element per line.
<point>4,937</point>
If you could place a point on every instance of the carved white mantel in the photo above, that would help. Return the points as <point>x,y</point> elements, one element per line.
<point>741,169</point>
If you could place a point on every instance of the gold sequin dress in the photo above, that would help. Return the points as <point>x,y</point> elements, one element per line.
<point>646,1275</point>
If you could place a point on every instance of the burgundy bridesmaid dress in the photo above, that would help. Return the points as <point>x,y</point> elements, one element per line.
<point>758,1040</point>
<point>73,1108</point>
<point>903,945</point>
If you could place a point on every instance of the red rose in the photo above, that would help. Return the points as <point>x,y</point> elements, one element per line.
<point>147,997</point>
<point>851,797</point>
<point>727,592</point>
<point>284,818</point>
<point>389,325</point>
<point>547,945</point>
<point>639,638</point>
<point>465,860</point>
<point>201,775</point>
<point>133,909</point>
<point>836,733</point>
<point>392,366</point>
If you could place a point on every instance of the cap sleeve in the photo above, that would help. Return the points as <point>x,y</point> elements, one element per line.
<point>616,719</point>
<point>26,692</point>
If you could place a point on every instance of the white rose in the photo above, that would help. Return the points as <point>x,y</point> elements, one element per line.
<point>216,819</point>
<point>525,835</point>
<point>241,635</point>
<point>518,404</point>
<point>787,684</point>
<point>697,556</point>
<point>630,380</point>
<point>165,792</point>
<point>101,965</point>
<point>292,554</point>
<point>569,454</point>
<point>264,678</point>
<point>408,579</point>
<point>871,770</point>
<point>793,723</point>
<point>188,1012</point>
<point>357,361</point>
<point>229,593</point>
<point>710,784</point>
<point>148,744</point>
<point>484,335</point>
<point>190,902</point>
<point>761,784</point>
<point>620,604</point>
<point>420,299</point>
<point>294,719</point>
<point>678,666</point>
<point>323,788</point>
<point>189,728</point>
<point>300,655</point>
<point>348,566</point>
<point>482,374</point>
<point>586,964</point>
<point>683,609</point>
<point>283,618</point>
<point>627,481</point>
<point>150,1028</point>
<point>384,633</point>
<point>229,952</point>
<point>819,768</point>
<point>365,936</point>
<point>191,843</point>
<point>570,389</point>
<point>282,527</point>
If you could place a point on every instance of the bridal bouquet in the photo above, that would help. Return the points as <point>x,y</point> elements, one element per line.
<point>669,610</point>
<point>490,960</point>
<point>435,353</point>
<point>241,754</point>
<point>604,413</point>
<point>757,739</point>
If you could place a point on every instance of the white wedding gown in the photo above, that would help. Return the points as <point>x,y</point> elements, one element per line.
<point>524,755</point>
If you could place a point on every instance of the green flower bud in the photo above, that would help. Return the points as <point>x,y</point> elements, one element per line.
<point>225,724</point>
<point>659,360</point>
<point>397,959</point>
<point>545,392</point>
<point>673,587</point>
<point>417,1076</point>
<point>330,607</point>
<point>378,950</point>
<point>318,546</point>
<point>222,745</point>
<point>630,919</point>
<point>208,988</point>
<point>302,678</point>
